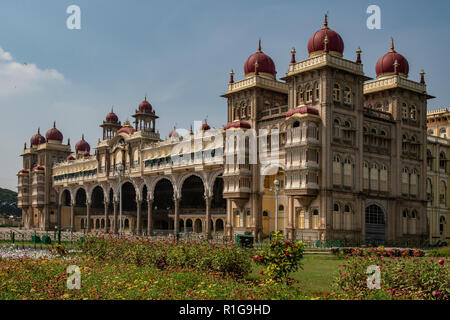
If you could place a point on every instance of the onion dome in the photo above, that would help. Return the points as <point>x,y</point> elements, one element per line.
<point>37,139</point>
<point>205,126</point>
<point>112,117</point>
<point>386,64</point>
<point>302,110</point>
<point>82,145</point>
<point>259,63</point>
<point>70,158</point>
<point>86,154</point>
<point>127,128</point>
<point>173,133</point>
<point>23,171</point>
<point>237,125</point>
<point>145,106</point>
<point>54,134</point>
<point>334,42</point>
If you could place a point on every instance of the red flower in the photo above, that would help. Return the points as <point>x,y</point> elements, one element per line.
<point>261,272</point>
<point>260,258</point>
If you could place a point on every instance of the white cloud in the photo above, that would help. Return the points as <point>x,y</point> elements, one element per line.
<point>19,78</point>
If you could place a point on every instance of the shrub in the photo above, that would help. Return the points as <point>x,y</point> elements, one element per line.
<point>441,252</point>
<point>401,278</point>
<point>200,255</point>
<point>280,257</point>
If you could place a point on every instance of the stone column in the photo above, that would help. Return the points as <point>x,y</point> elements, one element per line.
<point>58,216</point>
<point>138,218</point>
<point>106,216</point>
<point>72,215</point>
<point>115,204</point>
<point>229,220</point>
<point>176,223</point>
<point>88,216</point>
<point>149,217</point>
<point>208,216</point>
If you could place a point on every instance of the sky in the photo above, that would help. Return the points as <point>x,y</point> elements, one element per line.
<point>179,53</point>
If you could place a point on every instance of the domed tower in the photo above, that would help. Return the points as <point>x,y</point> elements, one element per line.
<point>325,40</point>
<point>145,117</point>
<point>82,148</point>
<point>110,125</point>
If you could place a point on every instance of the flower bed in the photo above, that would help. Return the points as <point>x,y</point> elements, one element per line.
<point>401,278</point>
<point>378,252</point>
<point>14,253</point>
<point>168,253</point>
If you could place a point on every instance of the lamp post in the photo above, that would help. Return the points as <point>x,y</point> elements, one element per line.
<point>276,184</point>
<point>120,168</point>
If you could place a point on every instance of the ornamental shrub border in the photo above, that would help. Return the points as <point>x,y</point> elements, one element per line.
<point>378,252</point>
<point>202,255</point>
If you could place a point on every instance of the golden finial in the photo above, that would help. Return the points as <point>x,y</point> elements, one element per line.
<point>325,22</point>
<point>358,50</point>
<point>259,45</point>
<point>82,136</point>
<point>392,45</point>
<point>39,130</point>
<point>54,124</point>
<point>293,50</point>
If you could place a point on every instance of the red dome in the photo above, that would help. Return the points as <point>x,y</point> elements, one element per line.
<point>112,117</point>
<point>145,106</point>
<point>265,63</point>
<point>86,154</point>
<point>70,158</point>
<point>173,133</point>
<point>237,125</point>
<point>316,42</point>
<point>54,134</point>
<point>23,171</point>
<point>82,145</point>
<point>37,139</point>
<point>126,128</point>
<point>39,168</point>
<point>302,110</point>
<point>385,65</point>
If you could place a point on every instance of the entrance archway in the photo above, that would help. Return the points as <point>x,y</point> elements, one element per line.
<point>375,223</point>
<point>192,195</point>
<point>162,205</point>
<point>198,226</point>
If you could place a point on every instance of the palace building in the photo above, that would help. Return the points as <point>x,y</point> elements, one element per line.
<point>351,162</point>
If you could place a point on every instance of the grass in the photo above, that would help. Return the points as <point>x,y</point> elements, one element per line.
<point>314,278</point>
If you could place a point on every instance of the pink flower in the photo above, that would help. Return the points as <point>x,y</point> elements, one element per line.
<point>441,261</point>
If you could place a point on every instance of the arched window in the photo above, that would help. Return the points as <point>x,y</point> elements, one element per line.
<point>337,217</point>
<point>405,181</point>
<point>315,219</point>
<point>404,111</point>
<point>429,160</point>
<point>337,171</point>
<point>442,160</point>
<point>412,112</point>
<point>383,178</point>
<point>365,176</point>
<point>443,133</point>
<point>412,219</point>
<point>443,193</point>
<point>347,96</point>
<point>348,172</point>
<point>347,217</point>
<point>442,224</point>
<point>316,91</point>
<point>300,96</point>
<point>336,93</point>
<point>430,132</point>
<point>374,180</point>
<point>429,191</point>
<point>386,107</point>
<point>309,93</point>
<point>414,182</point>
<point>405,214</point>
<point>336,128</point>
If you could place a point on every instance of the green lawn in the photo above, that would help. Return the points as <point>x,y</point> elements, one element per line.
<point>316,275</point>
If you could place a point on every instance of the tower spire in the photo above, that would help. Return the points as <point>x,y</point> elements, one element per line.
<point>422,77</point>
<point>392,45</point>
<point>293,55</point>
<point>358,55</point>
<point>231,76</point>
<point>259,45</point>
<point>325,22</point>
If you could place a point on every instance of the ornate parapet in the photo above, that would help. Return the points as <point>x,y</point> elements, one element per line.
<point>257,81</point>
<point>391,82</point>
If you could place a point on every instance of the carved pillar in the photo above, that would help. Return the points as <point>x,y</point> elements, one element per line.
<point>88,216</point>
<point>58,216</point>
<point>106,216</point>
<point>176,223</point>
<point>229,220</point>
<point>208,215</point>
<point>116,205</point>
<point>138,218</point>
<point>72,215</point>
<point>149,217</point>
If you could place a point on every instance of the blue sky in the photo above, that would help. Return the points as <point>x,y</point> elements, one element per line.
<point>179,53</point>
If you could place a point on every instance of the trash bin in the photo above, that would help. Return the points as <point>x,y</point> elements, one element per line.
<point>245,240</point>
<point>46,240</point>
